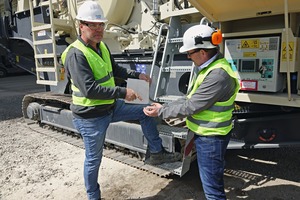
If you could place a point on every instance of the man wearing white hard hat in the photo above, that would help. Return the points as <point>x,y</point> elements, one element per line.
<point>97,101</point>
<point>208,106</point>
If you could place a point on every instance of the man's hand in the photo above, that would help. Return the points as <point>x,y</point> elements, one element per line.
<point>145,77</point>
<point>152,111</point>
<point>131,95</point>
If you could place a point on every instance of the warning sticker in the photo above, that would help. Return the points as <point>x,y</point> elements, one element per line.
<point>248,85</point>
<point>286,53</point>
<point>249,54</point>
<point>250,44</point>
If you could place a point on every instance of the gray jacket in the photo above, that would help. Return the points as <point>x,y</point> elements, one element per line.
<point>217,86</point>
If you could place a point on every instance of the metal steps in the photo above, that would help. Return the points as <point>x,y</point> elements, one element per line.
<point>45,30</point>
<point>171,67</point>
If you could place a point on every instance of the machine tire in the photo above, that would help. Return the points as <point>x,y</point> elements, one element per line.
<point>3,72</point>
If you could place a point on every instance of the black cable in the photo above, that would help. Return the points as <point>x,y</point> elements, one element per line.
<point>129,31</point>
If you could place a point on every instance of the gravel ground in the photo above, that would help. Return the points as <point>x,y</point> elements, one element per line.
<point>34,166</point>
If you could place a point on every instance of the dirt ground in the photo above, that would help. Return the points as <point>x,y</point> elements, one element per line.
<point>36,167</point>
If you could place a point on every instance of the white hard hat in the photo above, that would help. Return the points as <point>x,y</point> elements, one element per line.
<point>199,36</point>
<point>90,11</point>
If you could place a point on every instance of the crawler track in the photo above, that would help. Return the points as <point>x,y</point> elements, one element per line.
<point>113,152</point>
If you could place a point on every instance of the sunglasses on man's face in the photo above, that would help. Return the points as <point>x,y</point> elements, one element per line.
<point>95,26</point>
<point>191,53</point>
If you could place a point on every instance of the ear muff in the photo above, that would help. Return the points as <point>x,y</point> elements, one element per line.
<point>216,37</point>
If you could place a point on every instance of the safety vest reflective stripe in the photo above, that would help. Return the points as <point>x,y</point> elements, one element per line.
<point>105,78</point>
<point>99,81</point>
<point>209,124</point>
<point>220,108</point>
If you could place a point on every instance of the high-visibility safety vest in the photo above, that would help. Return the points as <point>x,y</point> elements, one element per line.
<point>216,120</point>
<point>102,71</point>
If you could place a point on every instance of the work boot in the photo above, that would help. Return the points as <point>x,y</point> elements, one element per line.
<point>163,157</point>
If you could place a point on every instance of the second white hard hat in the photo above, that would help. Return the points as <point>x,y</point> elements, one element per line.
<point>198,36</point>
<point>90,11</point>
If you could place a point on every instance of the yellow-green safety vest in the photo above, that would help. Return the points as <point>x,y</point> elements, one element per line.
<point>216,120</point>
<point>102,70</point>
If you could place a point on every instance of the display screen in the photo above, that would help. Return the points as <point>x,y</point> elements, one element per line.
<point>249,65</point>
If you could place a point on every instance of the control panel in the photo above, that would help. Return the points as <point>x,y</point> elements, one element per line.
<point>255,60</point>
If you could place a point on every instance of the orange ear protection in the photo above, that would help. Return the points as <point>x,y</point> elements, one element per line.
<point>215,38</point>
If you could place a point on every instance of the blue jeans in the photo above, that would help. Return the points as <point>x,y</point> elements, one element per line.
<point>211,162</point>
<point>93,131</point>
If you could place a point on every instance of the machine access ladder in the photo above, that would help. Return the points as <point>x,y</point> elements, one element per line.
<point>167,90</point>
<point>44,33</point>
<point>167,87</point>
